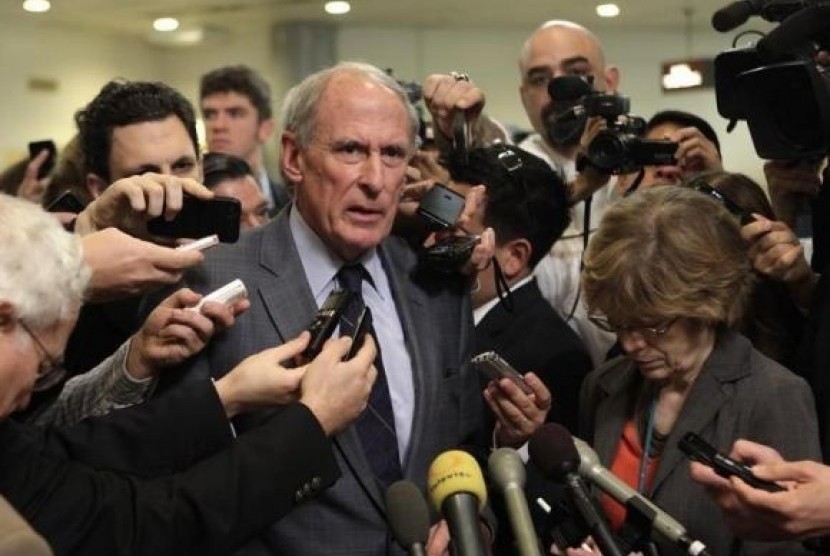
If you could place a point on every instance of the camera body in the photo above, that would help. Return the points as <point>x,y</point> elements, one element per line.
<point>620,149</point>
<point>777,86</point>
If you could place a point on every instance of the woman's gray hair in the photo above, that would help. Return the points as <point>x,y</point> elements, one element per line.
<point>299,107</point>
<point>42,270</point>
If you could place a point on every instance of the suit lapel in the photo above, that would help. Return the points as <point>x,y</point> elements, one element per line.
<point>612,415</point>
<point>705,400</point>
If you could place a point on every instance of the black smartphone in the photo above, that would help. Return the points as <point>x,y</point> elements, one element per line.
<point>324,323</point>
<point>66,202</point>
<point>697,449</point>
<point>361,329</point>
<point>441,207</point>
<point>199,218</point>
<point>35,148</point>
<point>450,254</point>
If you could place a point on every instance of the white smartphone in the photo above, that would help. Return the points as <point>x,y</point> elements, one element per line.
<point>227,294</point>
<point>200,244</point>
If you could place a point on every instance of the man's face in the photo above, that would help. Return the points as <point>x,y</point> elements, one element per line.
<point>554,52</point>
<point>233,126</point>
<point>348,179</point>
<point>162,146</point>
<point>254,207</point>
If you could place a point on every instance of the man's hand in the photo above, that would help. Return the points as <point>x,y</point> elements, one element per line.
<point>124,266</point>
<point>337,391</point>
<point>32,188</point>
<point>172,333</point>
<point>776,252</point>
<point>519,415</point>
<point>695,153</point>
<point>803,510</point>
<point>789,183</point>
<point>445,94</point>
<point>128,203</point>
<point>261,380</point>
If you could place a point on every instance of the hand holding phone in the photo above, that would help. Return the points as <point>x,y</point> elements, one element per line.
<point>35,148</point>
<point>200,218</point>
<point>697,449</point>
<point>491,365</point>
<point>451,253</point>
<point>324,323</point>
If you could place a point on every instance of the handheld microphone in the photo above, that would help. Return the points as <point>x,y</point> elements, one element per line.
<point>408,516</point>
<point>552,450</point>
<point>457,490</point>
<point>735,14</point>
<point>661,522</point>
<point>508,472</point>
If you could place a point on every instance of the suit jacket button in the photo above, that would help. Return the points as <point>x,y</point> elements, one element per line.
<point>298,496</point>
<point>315,483</point>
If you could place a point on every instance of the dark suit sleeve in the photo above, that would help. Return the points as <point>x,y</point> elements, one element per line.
<point>190,423</point>
<point>212,508</point>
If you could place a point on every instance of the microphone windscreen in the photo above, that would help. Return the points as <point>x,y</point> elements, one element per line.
<point>452,472</point>
<point>568,87</point>
<point>795,31</point>
<point>506,467</point>
<point>408,514</point>
<point>732,16</point>
<point>552,450</point>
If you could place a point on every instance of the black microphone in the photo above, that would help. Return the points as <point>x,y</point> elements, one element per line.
<point>568,87</point>
<point>795,31</point>
<point>508,472</point>
<point>735,14</point>
<point>552,450</point>
<point>457,490</point>
<point>661,522</point>
<point>408,516</point>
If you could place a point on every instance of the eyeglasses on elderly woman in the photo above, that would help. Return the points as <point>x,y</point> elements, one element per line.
<point>51,370</point>
<point>651,332</point>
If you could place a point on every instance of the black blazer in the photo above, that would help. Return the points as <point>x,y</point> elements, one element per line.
<point>87,490</point>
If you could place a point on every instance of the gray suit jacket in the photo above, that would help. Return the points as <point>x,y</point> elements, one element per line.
<point>739,394</point>
<point>349,518</point>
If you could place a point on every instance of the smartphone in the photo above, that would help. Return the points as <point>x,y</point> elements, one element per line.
<point>66,202</point>
<point>441,207</point>
<point>35,148</point>
<point>697,449</point>
<point>361,329</point>
<point>324,323</point>
<point>450,254</point>
<point>200,218</point>
<point>491,365</point>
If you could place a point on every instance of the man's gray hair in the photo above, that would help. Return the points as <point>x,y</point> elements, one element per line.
<point>299,108</point>
<point>42,270</point>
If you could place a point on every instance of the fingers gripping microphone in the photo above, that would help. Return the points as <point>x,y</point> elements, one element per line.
<point>508,472</point>
<point>408,516</point>
<point>661,522</point>
<point>457,490</point>
<point>552,450</point>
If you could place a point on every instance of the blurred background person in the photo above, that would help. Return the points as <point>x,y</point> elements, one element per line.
<point>230,176</point>
<point>668,272</point>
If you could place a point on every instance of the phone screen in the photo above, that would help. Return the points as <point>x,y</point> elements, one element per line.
<point>200,218</point>
<point>441,207</point>
<point>35,148</point>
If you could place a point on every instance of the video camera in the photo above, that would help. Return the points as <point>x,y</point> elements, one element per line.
<point>619,149</point>
<point>777,86</point>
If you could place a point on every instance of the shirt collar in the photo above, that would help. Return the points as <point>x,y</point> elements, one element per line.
<point>481,312</point>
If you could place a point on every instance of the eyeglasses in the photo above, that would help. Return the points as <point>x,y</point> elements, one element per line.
<point>51,370</point>
<point>648,332</point>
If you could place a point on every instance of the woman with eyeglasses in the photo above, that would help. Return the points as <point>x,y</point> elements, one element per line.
<point>668,272</point>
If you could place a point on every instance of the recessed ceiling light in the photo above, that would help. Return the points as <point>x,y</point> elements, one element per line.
<point>37,6</point>
<point>337,7</point>
<point>166,24</point>
<point>608,10</point>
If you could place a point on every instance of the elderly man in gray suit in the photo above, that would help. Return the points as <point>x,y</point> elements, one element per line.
<point>349,134</point>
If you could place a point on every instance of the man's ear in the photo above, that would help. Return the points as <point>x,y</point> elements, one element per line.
<point>266,128</point>
<point>612,79</point>
<point>515,265</point>
<point>291,154</point>
<point>96,185</point>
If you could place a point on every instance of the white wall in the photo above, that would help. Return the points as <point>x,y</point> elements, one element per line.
<point>80,63</point>
<point>490,57</point>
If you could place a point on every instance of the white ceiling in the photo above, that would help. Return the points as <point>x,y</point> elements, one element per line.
<point>135,16</point>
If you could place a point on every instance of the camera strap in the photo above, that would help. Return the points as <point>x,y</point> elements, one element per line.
<point>636,183</point>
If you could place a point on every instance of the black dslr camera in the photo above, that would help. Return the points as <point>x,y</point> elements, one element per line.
<point>619,149</point>
<point>777,86</point>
